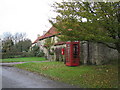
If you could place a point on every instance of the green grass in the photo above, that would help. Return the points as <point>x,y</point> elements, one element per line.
<point>24,59</point>
<point>103,76</point>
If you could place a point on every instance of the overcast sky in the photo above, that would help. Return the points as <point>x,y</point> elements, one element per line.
<point>30,16</point>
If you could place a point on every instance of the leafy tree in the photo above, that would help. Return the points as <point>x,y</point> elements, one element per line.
<point>101,22</point>
<point>17,42</point>
<point>35,51</point>
<point>23,46</point>
<point>13,45</point>
<point>48,44</point>
<point>7,45</point>
<point>27,44</point>
<point>7,42</point>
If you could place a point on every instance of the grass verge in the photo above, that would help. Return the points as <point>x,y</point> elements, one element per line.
<point>24,59</point>
<point>103,76</point>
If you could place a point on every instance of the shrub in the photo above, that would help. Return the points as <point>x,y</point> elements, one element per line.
<point>40,54</point>
<point>11,54</point>
<point>36,52</point>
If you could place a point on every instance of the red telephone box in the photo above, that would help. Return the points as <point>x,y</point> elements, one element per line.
<point>72,53</point>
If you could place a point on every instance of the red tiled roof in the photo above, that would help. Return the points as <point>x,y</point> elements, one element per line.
<point>51,32</point>
<point>60,43</point>
<point>36,41</point>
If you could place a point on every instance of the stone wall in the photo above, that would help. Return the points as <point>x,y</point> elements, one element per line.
<point>94,53</point>
<point>57,55</point>
<point>90,53</point>
<point>84,52</point>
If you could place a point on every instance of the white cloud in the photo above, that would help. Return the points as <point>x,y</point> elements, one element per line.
<point>30,16</point>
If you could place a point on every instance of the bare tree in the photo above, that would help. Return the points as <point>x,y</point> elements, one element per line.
<point>19,37</point>
<point>7,36</point>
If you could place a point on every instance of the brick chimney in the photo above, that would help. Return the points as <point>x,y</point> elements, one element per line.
<point>44,32</point>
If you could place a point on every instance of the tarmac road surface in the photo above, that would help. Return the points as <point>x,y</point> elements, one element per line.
<point>16,78</point>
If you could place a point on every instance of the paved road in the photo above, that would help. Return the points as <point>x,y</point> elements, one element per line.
<point>16,78</point>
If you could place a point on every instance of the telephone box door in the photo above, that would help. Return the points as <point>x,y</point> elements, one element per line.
<point>72,53</point>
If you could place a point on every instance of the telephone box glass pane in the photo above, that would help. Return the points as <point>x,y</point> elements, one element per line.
<point>68,53</point>
<point>75,50</point>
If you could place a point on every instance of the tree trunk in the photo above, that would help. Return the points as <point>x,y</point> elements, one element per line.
<point>118,57</point>
<point>118,49</point>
